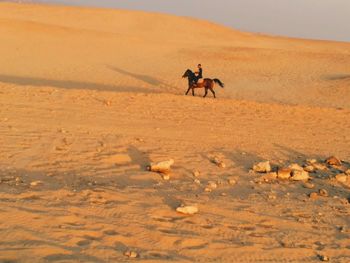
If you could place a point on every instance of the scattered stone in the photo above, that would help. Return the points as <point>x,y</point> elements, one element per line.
<point>323,257</point>
<point>347,172</point>
<point>197,181</point>
<point>187,210</point>
<point>295,167</point>
<point>219,163</point>
<point>161,167</point>
<point>313,196</point>
<point>333,161</point>
<point>319,166</point>
<point>208,190</point>
<point>131,254</point>
<point>323,192</point>
<point>311,161</point>
<point>284,173</point>
<point>300,175</point>
<point>36,183</point>
<point>309,168</point>
<point>309,185</point>
<point>166,177</point>
<point>269,177</point>
<point>212,185</point>
<point>232,181</point>
<point>341,178</point>
<point>196,173</point>
<point>262,167</point>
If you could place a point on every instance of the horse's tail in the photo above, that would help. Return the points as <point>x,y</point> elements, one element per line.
<point>219,82</point>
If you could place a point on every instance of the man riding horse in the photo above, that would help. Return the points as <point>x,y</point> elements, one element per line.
<point>198,74</point>
<point>207,84</point>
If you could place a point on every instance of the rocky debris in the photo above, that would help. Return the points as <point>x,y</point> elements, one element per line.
<point>300,175</point>
<point>284,173</point>
<point>36,183</point>
<point>333,161</point>
<point>196,173</point>
<point>232,181</point>
<point>219,163</point>
<point>131,254</point>
<point>161,167</point>
<point>309,168</point>
<point>314,196</point>
<point>323,258</point>
<point>320,166</point>
<point>311,161</point>
<point>187,210</point>
<point>166,177</point>
<point>269,177</point>
<point>295,167</point>
<point>347,172</point>
<point>197,181</point>
<point>309,185</point>
<point>323,192</point>
<point>212,185</point>
<point>342,178</point>
<point>262,167</point>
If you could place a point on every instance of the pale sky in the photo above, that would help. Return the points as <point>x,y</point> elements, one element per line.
<point>317,19</point>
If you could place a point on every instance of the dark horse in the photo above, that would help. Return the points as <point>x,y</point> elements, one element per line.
<point>207,84</point>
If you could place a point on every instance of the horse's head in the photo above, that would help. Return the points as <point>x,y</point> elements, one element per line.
<point>187,73</point>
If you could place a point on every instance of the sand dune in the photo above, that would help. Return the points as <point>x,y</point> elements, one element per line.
<point>90,97</point>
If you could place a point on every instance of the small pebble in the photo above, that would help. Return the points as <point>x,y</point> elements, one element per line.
<point>187,210</point>
<point>323,192</point>
<point>308,185</point>
<point>131,254</point>
<point>36,183</point>
<point>196,173</point>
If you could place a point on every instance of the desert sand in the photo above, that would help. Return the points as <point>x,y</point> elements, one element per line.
<point>90,97</point>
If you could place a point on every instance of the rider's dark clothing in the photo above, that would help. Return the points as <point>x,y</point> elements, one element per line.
<point>198,76</point>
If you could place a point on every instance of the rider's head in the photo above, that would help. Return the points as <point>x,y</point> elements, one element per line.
<point>199,65</point>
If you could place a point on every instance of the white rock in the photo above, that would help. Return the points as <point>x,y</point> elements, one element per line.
<point>161,167</point>
<point>36,183</point>
<point>269,177</point>
<point>311,161</point>
<point>342,178</point>
<point>262,167</point>
<point>309,168</point>
<point>166,177</point>
<point>232,181</point>
<point>196,173</point>
<point>212,185</point>
<point>295,167</point>
<point>197,181</point>
<point>131,254</point>
<point>219,163</point>
<point>300,175</point>
<point>187,210</point>
<point>319,166</point>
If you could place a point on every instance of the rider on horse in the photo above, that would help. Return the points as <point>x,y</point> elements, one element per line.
<point>199,74</point>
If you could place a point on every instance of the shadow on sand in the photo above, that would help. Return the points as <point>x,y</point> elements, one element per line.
<point>334,77</point>
<point>68,84</point>
<point>144,78</point>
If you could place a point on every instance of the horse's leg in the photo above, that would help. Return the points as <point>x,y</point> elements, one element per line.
<point>212,91</point>
<point>188,90</point>
<point>206,92</point>
<point>192,91</point>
